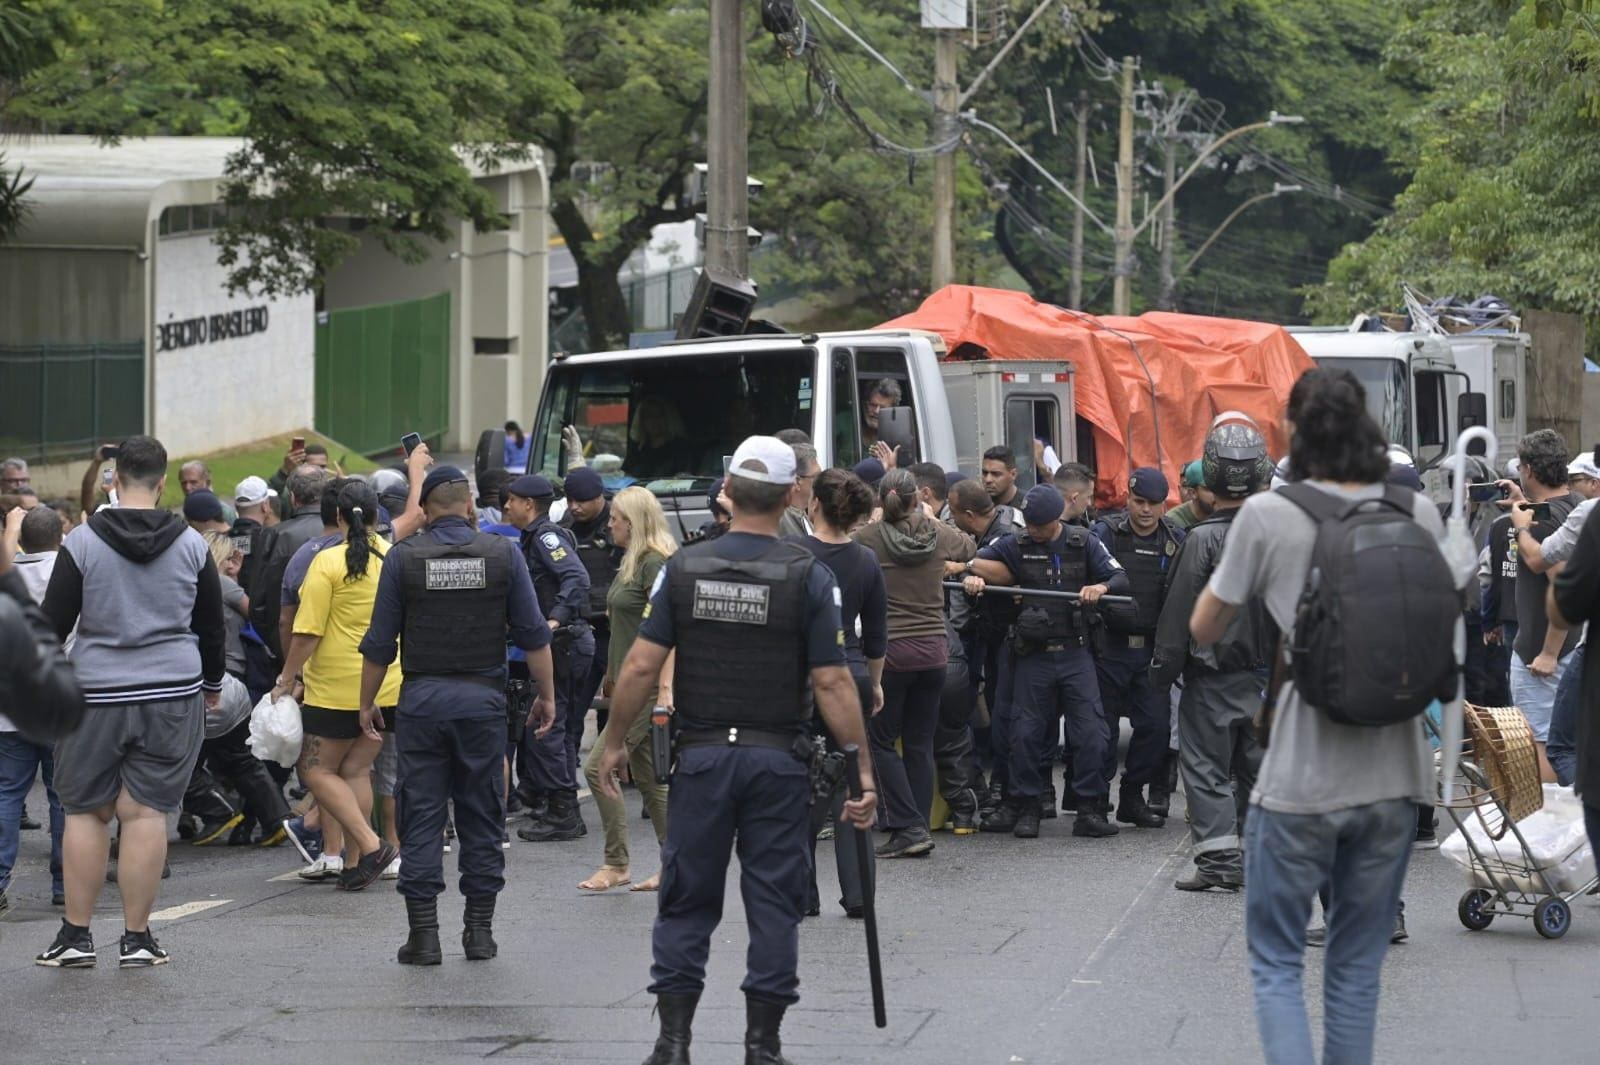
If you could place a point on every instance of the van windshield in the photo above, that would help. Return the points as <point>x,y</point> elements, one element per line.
<point>669,422</point>
<point>1388,398</point>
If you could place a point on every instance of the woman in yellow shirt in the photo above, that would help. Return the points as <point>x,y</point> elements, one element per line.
<point>336,758</point>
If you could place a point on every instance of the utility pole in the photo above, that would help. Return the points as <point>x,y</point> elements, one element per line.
<point>946,100</point>
<point>727,157</point>
<point>1121,295</point>
<point>1169,283</point>
<point>1081,113</point>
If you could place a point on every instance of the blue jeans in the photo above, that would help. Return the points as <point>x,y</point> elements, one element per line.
<point>1361,854</point>
<point>1562,745</point>
<point>20,759</point>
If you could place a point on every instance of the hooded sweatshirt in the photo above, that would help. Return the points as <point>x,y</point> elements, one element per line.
<point>141,588</point>
<point>913,552</point>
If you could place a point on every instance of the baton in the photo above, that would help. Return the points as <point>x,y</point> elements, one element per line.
<point>869,888</point>
<point>1039,593</point>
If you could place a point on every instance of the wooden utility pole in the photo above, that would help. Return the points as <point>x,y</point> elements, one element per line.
<point>1121,291</point>
<point>946,100</point>
<point>727,157</point>
<point>1081,113</point>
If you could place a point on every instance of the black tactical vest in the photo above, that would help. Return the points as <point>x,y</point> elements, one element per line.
<point>1061,565</point>
<point>599,558</point>
<point>741,640</point>
<point>996,612</point>
<point>1146,563</point>
<point>455,597</point>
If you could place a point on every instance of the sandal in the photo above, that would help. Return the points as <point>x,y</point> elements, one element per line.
<point>606,878</point>
<point>652,884</point>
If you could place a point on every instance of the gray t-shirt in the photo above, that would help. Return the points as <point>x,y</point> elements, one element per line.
<point>1558,546</point>
<point>1313,765</point>
<point>232,597</point>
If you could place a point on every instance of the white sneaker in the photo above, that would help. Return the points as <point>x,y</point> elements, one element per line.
<point>326,867</point>
<point>391,871</point>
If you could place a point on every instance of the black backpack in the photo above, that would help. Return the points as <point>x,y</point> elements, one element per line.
<point>1374,631</point>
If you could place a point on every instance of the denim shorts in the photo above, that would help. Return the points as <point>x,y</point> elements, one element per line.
<point>1535,696</point>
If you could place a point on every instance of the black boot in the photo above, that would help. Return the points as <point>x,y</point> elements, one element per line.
<point>1165,785</point>
<point>677,1016</point>
<point>1027,826</point>
<point>1091,819</point>
<point>1047,802</point>
<point>1132,810</point>
<point>477,934</point>
<point>761,1043</point>
<point>562,821</point>
<point>422,948</point>
<point>1002,818</point>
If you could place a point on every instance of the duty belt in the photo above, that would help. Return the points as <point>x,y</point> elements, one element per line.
<point>497,683</point>
<point>741,736</point>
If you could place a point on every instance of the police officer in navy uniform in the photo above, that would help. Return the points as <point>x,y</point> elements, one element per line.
<point>454,597</point>
<point>1145,545</point>
<point>548,763</point>
<point>588,519</point>
<point>744,611</point>
<point>1054,670</point>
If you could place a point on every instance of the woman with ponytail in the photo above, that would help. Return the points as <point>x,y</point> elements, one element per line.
<point>916,552</point>
<point>336,758</point>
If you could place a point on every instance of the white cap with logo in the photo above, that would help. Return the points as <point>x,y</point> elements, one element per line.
<point>1584,466</point>
<point>252,490</point>
<point>764,458</point>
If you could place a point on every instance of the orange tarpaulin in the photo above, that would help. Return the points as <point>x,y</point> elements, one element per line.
<point>1197,367</point>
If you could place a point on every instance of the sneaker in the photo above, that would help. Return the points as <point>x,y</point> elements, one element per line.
<point>1399,935</point>
<point>369,868</point>
<point>392,870</point>
<point>1427,839</point>
<point>273,838</point>
<point>211,832</point>
<point>28,824</point>
<point>140,950</point>
<point>505,839</point>
<point>825,833</point>
<point>906,843</point>
<point>326,867</point>
<point>307,841</point>
<point>73,949</point>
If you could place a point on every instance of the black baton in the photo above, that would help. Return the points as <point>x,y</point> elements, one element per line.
<point>1038,593</point>
<point>869,888</point>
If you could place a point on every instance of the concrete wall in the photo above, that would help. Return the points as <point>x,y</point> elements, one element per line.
<point>70,296</point>
<point>215,390</point>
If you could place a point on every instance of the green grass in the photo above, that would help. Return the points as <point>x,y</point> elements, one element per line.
<point>262,458</point>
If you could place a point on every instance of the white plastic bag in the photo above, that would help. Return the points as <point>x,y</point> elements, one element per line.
<point>275,733</point>
<point>1557,843</point>
<point>233,708</point>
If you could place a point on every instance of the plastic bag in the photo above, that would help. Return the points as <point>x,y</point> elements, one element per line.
<point>234,708</point>
<point>1557,844</point>
<point>275,733</point>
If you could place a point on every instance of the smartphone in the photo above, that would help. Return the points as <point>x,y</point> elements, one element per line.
<point>110,453</point>
<point>297,444</point>
<point>1487,492</point>
<point>409,442</point>
<point>1541,511</point>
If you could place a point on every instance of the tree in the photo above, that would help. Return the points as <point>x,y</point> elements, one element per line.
<point>346,108</point>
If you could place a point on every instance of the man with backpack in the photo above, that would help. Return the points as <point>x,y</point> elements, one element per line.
<point>1222,677</point>
<point>1350,569</point>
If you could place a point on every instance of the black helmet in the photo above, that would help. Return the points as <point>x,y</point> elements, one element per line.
<point>1235,461</point>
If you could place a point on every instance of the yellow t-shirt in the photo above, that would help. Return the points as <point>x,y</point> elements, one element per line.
<point>340,612</point>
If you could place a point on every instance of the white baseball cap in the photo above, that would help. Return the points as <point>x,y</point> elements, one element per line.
<point>252,490</point>
<point>764,458</point>
<point>1583,466</point>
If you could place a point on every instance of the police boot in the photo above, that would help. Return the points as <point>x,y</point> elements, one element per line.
<point>1002,818</point>
<point>991,798</point>
<point>422,948</point>
<point>477,936</point>
<point>1132,809</point>
<point>1164,785</point>
<point>761,1044</point>
<point>677,1016</point>
<point>1047,803</point>
<point>1028,822</point>
<point>563,821</point>
<point>1091,820</point>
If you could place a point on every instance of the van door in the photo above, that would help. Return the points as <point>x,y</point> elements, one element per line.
<point>867,378</point>
<point>1034,433</point>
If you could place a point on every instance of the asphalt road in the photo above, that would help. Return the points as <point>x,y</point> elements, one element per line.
<point>996,951</point>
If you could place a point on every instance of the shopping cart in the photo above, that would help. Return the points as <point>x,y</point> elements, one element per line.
<point>1497,785</point>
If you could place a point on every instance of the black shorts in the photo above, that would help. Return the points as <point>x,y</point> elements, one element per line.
<point>339,724</point>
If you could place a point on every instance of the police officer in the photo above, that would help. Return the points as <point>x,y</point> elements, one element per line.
<point>588,519</point>
<point>743,609</point>
<point>1145,545</point>
<point>454,596</point>
<point>548,761</point>
<point>1054,670</point>
<point>1223,682</point>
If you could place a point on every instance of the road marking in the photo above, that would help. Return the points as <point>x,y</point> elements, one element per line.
<point>285,878</point>
<point>188,909</point>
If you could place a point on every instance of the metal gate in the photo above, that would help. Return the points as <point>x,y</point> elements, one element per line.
<point>384,371</point>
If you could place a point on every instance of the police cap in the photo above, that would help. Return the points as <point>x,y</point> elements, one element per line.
<point>581,485</point>
<point>441,475</point>
<point>202,506</point>
<point>1042,505</point>
<point>1149,484</point>
<point>532,486</point>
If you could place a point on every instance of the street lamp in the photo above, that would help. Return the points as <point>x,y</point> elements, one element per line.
<point>1273,119</point>
<point>1277,190</point>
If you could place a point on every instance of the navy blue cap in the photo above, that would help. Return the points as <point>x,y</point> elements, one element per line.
<point>202,506</point>
<point>441,475</point>
<point>1149,484</point>
<point>583,484</point>
<point>869,470</point>
<point>531,486</point>
<point>953,478</point>
<point>1042,505</point>
<point>1405,476</point>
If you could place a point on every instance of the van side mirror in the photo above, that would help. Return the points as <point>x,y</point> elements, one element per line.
<point>1472,408</point>
<point>898,428</point>
<point>491,453</point>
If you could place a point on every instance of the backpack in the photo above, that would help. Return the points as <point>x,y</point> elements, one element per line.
<point>1374,630</point>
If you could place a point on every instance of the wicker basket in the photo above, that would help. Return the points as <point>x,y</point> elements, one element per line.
<point>1502,746</point>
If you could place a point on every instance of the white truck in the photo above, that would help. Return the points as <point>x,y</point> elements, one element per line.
<point>1424,388</point>
<point>667,417</point>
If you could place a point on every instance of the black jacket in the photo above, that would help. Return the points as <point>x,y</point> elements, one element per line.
<point>38,690</point>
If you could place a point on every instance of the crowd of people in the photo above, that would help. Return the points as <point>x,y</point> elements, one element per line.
<point>995,635</point>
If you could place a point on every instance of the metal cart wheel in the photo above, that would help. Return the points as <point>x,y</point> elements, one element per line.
<point>1473,909</point>
<point>1552,917</point>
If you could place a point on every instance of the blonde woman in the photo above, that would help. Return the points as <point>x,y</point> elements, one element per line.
<point>639,527</point>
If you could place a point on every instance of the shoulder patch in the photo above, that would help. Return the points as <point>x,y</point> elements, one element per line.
<point>655,586</point>
<point>550,540</point>
<point>838,597</point>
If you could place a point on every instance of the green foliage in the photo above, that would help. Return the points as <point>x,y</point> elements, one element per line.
<point>349,108</point>
<point>1504,157</point>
